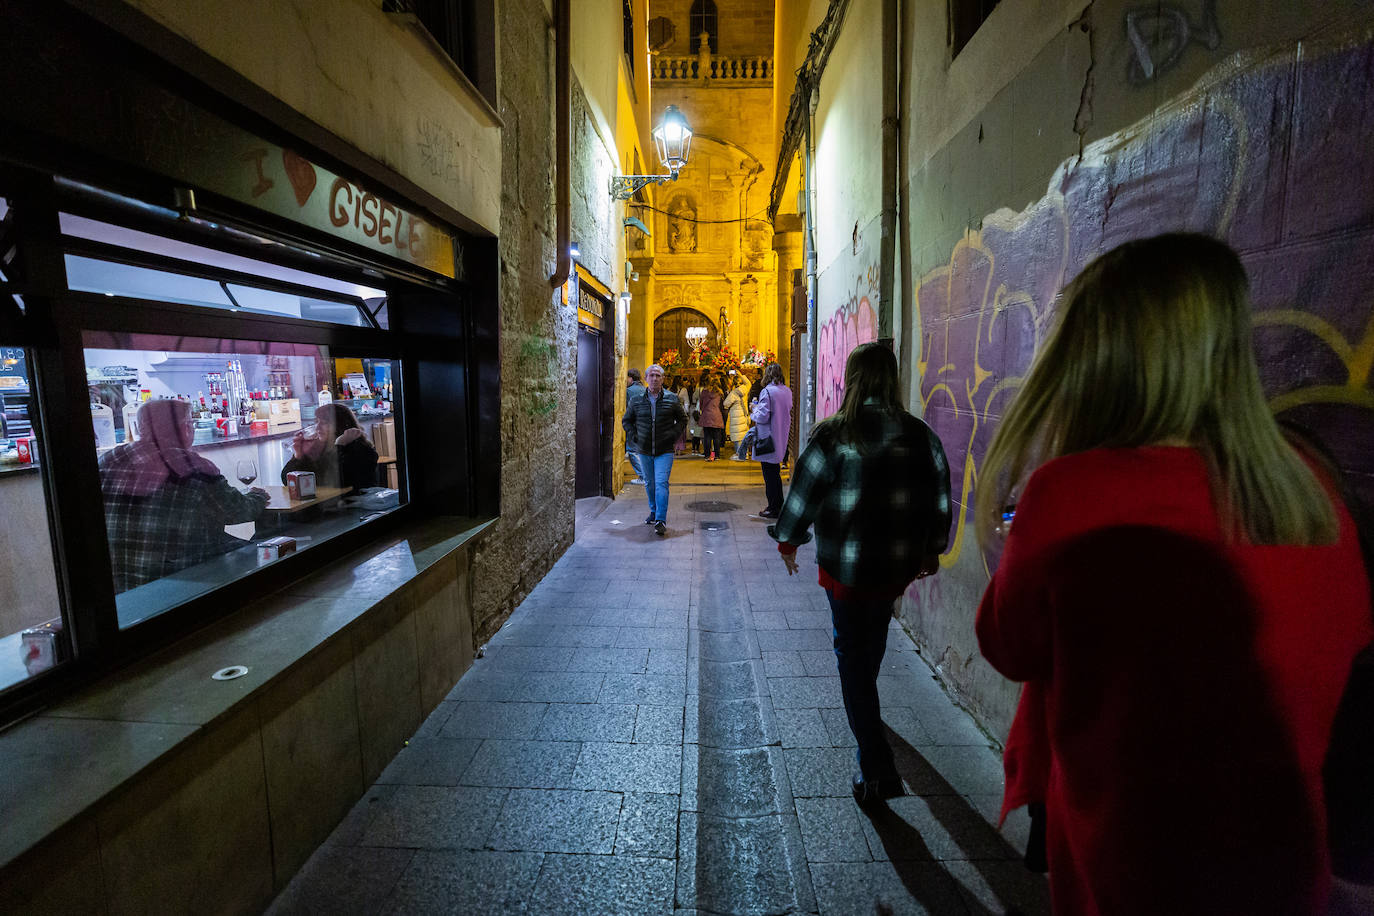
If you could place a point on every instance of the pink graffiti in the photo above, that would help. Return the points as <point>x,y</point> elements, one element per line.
<point>852,325</point>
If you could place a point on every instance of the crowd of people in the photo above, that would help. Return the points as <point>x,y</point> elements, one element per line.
<point>1179,584</point>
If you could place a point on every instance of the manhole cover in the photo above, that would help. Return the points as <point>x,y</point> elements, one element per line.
<point>714,526</point>
<point>707,505</point>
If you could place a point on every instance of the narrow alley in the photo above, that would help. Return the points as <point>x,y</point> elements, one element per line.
<point>658,729</point>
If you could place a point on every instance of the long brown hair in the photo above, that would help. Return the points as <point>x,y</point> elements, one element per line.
<point>870,374</point>
<point>1153,345</point>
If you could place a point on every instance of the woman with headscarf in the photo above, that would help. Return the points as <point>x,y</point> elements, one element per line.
<point>337,451</point>
<point>165,505</point>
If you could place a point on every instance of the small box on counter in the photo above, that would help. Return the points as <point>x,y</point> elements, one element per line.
<point>275,548</point>
<point>258,428</point>
<point>27,449</point>
<point>301,484</point>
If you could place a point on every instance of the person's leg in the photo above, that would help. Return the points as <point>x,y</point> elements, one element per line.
<point>662,470</point>
<point>772,487</point>
<point>646,473</point>
<point>860,642</point>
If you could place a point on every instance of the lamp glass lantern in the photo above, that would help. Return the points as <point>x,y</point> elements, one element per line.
<point>674,140</point>
<point>696,336</point>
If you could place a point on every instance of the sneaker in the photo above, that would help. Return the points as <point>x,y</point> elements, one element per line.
<point>875,791</point>
<point>736,458</point>
<point>637,480</point>
<point>649,520</point>
<point>660,528</point>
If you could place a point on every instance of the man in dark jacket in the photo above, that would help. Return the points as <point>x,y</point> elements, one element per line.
<point>653,421</point>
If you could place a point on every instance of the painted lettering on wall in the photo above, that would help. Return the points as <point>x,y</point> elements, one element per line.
<point>376,218</point>
<point>853,323</point>
<point>1221,159</point>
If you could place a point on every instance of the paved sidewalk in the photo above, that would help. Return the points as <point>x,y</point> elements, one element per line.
<point>659,729</point>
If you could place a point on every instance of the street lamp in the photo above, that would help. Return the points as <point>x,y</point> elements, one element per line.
<point>673,138</point>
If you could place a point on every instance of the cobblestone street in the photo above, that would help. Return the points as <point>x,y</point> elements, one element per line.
<point>659,729</point>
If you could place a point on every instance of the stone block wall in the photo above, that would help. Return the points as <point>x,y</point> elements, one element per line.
<point>538,335</point>
<point>745,26</point>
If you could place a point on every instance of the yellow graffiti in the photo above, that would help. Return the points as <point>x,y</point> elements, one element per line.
<point>991,308</point>
<point>1358,360</point>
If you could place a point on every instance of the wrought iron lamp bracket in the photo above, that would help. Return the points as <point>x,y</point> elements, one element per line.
<point>623,187</point>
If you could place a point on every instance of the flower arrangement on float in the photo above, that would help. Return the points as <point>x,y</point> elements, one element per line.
<point>699,357</point>
<point>757,359</point>
<point>725,361</point>
<point>671,361</point>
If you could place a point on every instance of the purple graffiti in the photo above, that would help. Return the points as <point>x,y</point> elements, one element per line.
<point>1237,158</point>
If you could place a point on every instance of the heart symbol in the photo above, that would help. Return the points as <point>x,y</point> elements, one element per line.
<point>301,174</point>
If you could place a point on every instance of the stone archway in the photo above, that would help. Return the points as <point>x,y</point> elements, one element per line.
<point>670,330</point>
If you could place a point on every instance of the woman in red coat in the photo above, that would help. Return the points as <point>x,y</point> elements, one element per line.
<point>1181,593</point>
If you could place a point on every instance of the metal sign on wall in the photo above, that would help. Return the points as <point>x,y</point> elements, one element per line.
<point>65,82</point>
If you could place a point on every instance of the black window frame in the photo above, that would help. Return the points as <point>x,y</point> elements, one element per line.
<point>52,329</point>
<point>703,18</point>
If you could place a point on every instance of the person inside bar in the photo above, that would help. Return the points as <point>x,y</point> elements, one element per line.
<point>165,505</point>
<point>337,451</point>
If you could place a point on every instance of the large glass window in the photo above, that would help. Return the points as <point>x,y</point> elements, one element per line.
<point>218,457</point>
<point>32,637</point>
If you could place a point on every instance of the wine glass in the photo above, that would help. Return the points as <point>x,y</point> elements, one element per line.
<point>246,471</point>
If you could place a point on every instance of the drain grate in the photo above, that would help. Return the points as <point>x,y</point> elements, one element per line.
<point>707,505</point>
<point>714,526</point>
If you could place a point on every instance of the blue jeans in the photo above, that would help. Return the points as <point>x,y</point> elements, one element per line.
<point>634,461</point>
<point>860,643</point>
<point>655,469</point>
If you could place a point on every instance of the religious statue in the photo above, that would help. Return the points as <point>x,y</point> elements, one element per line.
<point>682,235</point>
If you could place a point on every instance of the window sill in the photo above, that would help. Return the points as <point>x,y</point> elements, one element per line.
<point>412,22</point>
<point>65,761</point>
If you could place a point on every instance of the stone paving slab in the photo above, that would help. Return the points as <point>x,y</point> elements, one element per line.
<point>659,729</point>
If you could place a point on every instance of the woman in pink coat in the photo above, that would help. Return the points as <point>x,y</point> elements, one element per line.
<point>773,416</point>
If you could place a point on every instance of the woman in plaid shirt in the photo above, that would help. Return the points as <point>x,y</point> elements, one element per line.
<point>875,483</point>
<point>165,505</point>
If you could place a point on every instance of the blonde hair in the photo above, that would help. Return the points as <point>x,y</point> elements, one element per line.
<point>1153,344</point>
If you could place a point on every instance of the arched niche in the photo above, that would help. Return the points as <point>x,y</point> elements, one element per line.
<point>670,330</point>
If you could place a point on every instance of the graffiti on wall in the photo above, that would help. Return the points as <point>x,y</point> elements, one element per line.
<point>1161,32</point>
<point>1236,158</point>
<point>853,323</point>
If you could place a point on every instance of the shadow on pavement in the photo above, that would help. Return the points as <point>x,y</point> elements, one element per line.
<point>907,851</point>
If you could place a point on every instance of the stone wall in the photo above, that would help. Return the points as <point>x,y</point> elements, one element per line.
<point>1241,122</point>
<point>538,335</point>
<point>744,26</point>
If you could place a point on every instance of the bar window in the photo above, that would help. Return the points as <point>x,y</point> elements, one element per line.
<point>32,628</point>
<point>218,457</point>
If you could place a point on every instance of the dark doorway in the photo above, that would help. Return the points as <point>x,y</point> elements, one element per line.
<point>589,394</point>
<point>670,330</point>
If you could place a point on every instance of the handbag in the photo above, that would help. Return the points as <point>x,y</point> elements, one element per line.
<point>764,445</point>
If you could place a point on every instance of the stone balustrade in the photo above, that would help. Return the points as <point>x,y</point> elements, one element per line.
<point>712,68</point>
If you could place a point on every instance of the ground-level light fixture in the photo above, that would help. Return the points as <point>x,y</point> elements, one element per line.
<point>573,250</point>
<point>673,138</point>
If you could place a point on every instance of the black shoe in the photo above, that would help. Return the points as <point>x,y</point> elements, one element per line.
<point>649,520</point>
<point>767,513</point>
<point>875,791</point>
<point>660,528</point>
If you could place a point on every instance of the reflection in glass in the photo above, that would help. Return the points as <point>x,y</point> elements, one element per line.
<point>234,416</point>
<point>32,637</point>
